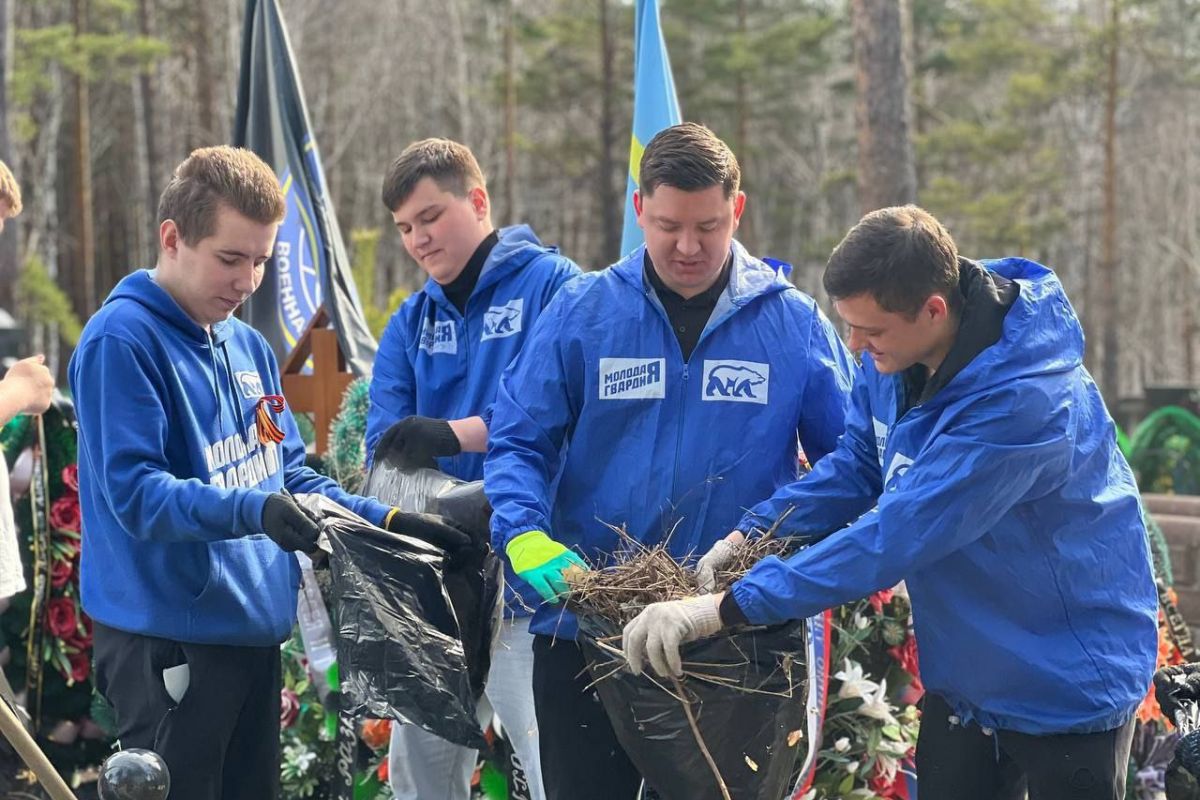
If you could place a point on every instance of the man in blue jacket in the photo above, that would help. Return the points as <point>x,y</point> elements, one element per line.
<point>432,389</point>
<point>189,529</point>
<point>661,395</point>
<point>980,466</point>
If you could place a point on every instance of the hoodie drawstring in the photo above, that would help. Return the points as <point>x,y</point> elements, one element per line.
<point>212,356</point>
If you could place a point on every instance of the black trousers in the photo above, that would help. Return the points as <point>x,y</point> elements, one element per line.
<point>581,757</point>
<point>221,741</point>
<point>957,762</point>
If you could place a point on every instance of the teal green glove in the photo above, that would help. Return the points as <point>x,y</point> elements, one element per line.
<point>540,561</point>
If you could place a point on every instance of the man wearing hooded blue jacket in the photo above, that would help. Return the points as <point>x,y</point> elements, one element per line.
<point>441,357</point>
<point>661,395</point>
<point>182,470</point>
<point>980,466</point>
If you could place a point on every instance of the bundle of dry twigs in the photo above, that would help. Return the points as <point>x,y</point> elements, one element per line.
<point>639,575</point>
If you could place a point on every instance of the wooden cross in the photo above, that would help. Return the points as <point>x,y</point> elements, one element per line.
<point>321,392</point>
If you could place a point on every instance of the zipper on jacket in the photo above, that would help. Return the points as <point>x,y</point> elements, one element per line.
<point>685,375</point>
<point>679,432</point>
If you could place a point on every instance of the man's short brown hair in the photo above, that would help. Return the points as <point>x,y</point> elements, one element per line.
<point>10,191</point>
<point>688,157</point>
<point>212,176</point>
<point>900,256</point>
<point>451,165</point>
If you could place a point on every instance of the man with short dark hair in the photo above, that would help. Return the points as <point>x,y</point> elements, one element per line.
<point>980,466</point>
<point>185,475</point>
<point>434,381</point>
<point>659,395</point>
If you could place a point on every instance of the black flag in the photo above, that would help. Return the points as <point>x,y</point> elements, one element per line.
<point>310,266</point>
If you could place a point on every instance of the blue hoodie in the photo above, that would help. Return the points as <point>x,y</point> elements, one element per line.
<point>172,478</point>
<point>1004,504</point>
<point>437,362</point>
<point>654,443</point>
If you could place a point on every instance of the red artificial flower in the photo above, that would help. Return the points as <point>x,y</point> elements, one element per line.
<point>382,773</point>
<point>64,513</point>
<point>70,477</point>
<point>880,599</point>
<point>61,572</point>
<point>289,708</point>
<point>81,641</point>
<point>906,656</point>
<point>894,789</point>
<point>376,733</point>
<point>60,617</point>
<point>81,667</point>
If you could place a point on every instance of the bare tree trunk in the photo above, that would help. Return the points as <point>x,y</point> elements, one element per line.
<point>458,45</point>
<point>203,39</point>
<point>510,115</point>
<point>745,231</point>
<point>610,192</point>
<point>912,57</point>
<point>145,147</point>
<point>886,176</point>
<point>8,242</point>
<point>44,226</point>
<point>1107,294</point>
<point>1188,237</point>
<point>84,299</point>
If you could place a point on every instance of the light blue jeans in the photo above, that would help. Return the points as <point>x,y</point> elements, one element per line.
<point>424,767</point>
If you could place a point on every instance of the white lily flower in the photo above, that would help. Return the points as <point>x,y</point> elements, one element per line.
<point>842,744</point>
<point>853,682</point>
<point>876,706</point>
<point>892,748</point>
<point>888,767</point>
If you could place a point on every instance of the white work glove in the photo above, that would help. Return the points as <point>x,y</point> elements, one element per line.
<point>661,628</point>
<point>719,556</point>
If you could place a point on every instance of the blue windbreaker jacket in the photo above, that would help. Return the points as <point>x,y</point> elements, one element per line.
<point>172,478</point>
<point>651,442</point>
<point>436,362</point>
<point>1005,505</point>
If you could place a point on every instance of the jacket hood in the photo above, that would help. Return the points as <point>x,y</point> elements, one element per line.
<point>141,288</point>
<point>1040,335</point>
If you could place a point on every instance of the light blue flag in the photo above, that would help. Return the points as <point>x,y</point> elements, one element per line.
<point>655,105</point>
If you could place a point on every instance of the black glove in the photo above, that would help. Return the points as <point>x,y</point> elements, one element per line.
<point>1175,686</point>
<point>438,531</point>
<point>416,442</point>
<point>289,525</point>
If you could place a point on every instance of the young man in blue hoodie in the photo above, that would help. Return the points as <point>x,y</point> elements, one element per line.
<point>184,477</point>
<point>432,389</point>
<point>980,466</point>
<point>661,395</point>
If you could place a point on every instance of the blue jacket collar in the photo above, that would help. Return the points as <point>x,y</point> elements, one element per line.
<point>517,246</point>
<point>749,278</point>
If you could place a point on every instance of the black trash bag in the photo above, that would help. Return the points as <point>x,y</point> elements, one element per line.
<point>753,736</point>
<point>474,576</point>
<point>399,643</point>
<point>1181,776</point>
<point>1180,783</point>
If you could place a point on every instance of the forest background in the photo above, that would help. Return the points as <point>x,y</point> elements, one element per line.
<point>1060,130</point>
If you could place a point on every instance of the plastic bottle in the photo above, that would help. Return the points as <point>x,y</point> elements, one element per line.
<point>316,631</point>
